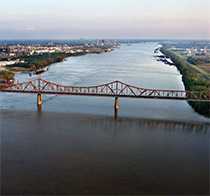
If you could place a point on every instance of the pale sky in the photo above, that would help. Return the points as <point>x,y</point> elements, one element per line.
<point>72,19</point>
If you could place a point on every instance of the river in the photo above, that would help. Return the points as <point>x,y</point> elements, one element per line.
<point>76,147</point>
<point>133,64</point>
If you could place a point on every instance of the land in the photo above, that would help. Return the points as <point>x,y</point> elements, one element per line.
<point>195,69</point>
<point>34,58</point>
<point>35,62</point>
<point>7,75</point>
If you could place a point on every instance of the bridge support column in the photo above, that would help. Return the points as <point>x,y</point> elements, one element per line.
<point>116,107</point>
<point>39,102</point>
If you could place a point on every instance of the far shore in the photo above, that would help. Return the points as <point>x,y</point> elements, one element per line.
<point>39,62</point>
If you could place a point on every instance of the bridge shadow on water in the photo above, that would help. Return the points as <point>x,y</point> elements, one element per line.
<point>111,124</point>
<point>127,123</point>
<point>52,153</point>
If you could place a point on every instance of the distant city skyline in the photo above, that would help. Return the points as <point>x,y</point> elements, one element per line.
<point>75,19</point>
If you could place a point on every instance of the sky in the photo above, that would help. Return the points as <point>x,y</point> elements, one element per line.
<point>75,19</point>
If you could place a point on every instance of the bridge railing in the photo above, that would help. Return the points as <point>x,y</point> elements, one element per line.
<point>114,89</point>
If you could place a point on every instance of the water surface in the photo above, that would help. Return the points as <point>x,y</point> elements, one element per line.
<point>63,154</point>
<point>75,147</point>
<point>133,64</point>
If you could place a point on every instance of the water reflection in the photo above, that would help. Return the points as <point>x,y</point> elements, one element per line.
<point>88,154</point>
<point>148,124</point>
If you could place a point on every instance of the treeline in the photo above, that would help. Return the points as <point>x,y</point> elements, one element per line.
<point>192,79</point>
<point>6,75</point>
<point>35,62</point>
<point>198,60</point>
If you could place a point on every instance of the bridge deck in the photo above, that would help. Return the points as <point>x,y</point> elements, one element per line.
<point>112,89</point>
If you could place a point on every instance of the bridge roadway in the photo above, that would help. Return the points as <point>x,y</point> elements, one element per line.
<point>114,89</point>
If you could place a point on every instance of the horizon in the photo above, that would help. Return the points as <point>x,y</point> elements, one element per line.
<point>117,39</point>
<point>125,19</point>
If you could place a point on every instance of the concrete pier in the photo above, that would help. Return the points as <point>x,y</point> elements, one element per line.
<point>39,102</point>
<point>116,107</point>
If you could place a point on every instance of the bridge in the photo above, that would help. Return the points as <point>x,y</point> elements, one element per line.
<point>114,89</point>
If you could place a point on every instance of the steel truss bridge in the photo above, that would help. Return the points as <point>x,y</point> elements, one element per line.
<point>114,89</point>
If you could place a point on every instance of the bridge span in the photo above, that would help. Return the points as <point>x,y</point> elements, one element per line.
<point>114,89</point>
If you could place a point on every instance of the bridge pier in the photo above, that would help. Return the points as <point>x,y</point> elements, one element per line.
<point>39,102</point>
<point>116,107</point>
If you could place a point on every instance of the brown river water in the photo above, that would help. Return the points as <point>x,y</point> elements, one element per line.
<point>75,147</point>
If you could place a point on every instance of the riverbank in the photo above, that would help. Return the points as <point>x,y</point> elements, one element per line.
<point>36,62</point>
<point>6,75</point>
<point>31,64</point>
<point>193,79</point>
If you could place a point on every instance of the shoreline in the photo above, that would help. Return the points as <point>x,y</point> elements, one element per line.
<point>47,60</point>
<point>192,80</point>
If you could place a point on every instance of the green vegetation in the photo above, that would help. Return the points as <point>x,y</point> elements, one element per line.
<point>35,62</point>
<point>6,75</point>
<point>32,63</point>
<point>41,61</point>
<point>202,62</point>
<point>196,60</point>
<point>194,78</point>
